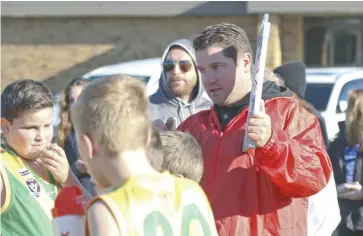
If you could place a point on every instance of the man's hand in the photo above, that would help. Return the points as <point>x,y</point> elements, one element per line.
<point>259,127</point>
<point>161,126</point>
<point>351,191</point>
<point>54,159</point>
<point>81,166</point>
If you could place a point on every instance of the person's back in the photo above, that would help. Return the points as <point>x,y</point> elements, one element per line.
<point>112,142</point>
<point>145,203</point>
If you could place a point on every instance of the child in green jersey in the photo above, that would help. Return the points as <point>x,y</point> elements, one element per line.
<point>32,169</point>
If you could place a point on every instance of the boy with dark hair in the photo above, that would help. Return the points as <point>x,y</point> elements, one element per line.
<point>31,167</point>
<point>182,155</point>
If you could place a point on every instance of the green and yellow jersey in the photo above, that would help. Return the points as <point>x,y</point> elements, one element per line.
<point>29,198</point>
<point>160,205</point>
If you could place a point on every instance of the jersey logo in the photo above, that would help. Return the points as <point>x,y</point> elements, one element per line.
<point>23,172</point>
<point>33,186</point>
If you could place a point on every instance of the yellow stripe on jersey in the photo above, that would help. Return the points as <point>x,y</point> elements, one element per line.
<point>7,187</point>
<point>150,205</point>
<point>14,165</point>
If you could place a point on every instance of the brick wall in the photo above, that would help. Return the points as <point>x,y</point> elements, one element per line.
<point>57,49</point>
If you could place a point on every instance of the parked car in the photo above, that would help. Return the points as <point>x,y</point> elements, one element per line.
<point>147,70</point>
<point>328,90</point>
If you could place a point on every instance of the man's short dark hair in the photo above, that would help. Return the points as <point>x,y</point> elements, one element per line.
<point>155,152</point>
<point>230,36</point>
<point>182,155</point>
<point>25,96</point>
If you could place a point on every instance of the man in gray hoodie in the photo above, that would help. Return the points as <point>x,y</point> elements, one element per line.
<point>181,91</point>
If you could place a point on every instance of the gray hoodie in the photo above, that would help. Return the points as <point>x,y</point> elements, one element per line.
<point>163,104</point>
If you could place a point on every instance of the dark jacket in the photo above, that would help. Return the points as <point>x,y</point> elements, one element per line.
<point>351,211</point>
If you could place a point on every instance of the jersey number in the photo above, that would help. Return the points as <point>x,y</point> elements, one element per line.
<point>190,212</point>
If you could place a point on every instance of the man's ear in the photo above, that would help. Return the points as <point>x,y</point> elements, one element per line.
<point>5,126</point>
<point>246,62</point>
<point>89,145</point>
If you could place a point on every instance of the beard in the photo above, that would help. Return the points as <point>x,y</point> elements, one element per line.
<point>181,86</point>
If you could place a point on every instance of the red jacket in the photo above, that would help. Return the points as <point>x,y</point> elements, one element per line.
<point>264,193</point>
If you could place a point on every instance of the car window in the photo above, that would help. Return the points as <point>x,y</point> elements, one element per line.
<point>347,88</point>
<point>143,78</point>
<point>318,94</point>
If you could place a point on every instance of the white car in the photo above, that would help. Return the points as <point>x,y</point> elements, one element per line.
<point>147,70</point>
<point>328,90</point>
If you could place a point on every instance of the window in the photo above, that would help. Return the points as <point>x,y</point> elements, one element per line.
<point>318,94</point>
<point>333,41</point>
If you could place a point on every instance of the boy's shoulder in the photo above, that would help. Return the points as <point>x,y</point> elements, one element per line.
<point>5,153</point>
<point>187,184</point>
<point>150,185</point>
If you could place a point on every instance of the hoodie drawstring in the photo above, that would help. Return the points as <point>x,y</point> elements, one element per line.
<point>181,110</point>
<point>191,107</point>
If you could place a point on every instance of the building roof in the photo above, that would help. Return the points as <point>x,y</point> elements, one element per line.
<point>173,8</point>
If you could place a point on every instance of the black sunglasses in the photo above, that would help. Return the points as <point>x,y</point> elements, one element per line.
<point>184,65</point>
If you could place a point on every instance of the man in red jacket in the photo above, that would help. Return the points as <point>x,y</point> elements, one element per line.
<point>265,192</point>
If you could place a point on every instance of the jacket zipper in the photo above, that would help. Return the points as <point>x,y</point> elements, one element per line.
<point>216,163</point>
<point>217,155</point>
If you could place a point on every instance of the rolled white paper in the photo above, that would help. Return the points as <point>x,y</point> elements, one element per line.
<point>257,78</point>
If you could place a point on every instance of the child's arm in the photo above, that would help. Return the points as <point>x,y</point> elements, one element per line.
<point>73,180</point>
<point>100,220</point>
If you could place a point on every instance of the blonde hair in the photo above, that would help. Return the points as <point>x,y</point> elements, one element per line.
<point>354,130</point>
<point>114,112</point>
<point>182,155</point>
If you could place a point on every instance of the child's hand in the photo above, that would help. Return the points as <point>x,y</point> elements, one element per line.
<point>54,159</point>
